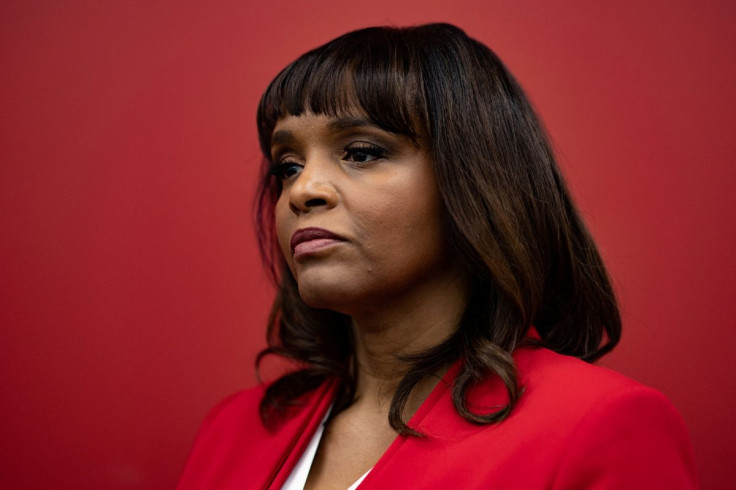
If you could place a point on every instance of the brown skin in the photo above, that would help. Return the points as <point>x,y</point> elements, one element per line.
<point>391,273</point>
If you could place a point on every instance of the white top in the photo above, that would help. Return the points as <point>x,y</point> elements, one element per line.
<point>298,477</point>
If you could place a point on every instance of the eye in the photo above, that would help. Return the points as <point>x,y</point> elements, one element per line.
<point>285,170</point>
<point>362,152</point>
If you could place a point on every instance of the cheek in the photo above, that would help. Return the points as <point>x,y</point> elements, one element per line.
<point>424,223</point>
<point>405,224</point>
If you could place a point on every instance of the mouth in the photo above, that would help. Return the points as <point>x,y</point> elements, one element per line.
<point>309,240</point>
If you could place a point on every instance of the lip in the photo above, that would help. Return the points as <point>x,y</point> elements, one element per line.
<point>309,240</point>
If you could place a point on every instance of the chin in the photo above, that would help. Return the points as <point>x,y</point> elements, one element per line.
<point>325,289</point>
<point>332,295</point>
<point>328,298</point>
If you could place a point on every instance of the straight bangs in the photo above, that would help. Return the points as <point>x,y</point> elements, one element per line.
<point>371,73</point>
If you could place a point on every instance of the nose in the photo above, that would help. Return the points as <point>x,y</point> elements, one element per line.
<point>313,188</point>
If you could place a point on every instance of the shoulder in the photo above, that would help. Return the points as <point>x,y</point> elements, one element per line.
<point>562,389</point>
<point>227,423</point>
<point>234,449</point>
<point>239,408</point>
<point>575,425</point>
<point>574,393</point>
<point>567,380</point>
<point>614,431</point>
<point>226,447</point>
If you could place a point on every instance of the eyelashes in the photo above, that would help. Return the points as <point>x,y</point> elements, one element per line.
<point>363,152</point>
<point>357,154</point>
<point>284,170</point>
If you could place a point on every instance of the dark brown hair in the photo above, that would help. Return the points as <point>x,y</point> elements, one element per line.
<point>508,216</point>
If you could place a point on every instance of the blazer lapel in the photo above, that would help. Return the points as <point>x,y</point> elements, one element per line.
<point>302,428</point>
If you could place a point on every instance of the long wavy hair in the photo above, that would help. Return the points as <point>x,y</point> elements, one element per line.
<point>509,218</point>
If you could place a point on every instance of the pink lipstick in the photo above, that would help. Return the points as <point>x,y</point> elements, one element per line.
<point>310,240</point>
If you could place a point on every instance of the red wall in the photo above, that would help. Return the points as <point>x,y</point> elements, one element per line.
<point>131,296</point>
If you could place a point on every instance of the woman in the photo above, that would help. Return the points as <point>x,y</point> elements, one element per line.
<point>437,289</point>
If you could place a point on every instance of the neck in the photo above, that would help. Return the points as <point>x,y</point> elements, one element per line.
<point>399,327</point>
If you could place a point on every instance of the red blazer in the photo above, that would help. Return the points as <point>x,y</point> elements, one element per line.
<point>576,426</point>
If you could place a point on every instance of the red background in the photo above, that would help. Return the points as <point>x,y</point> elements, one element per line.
<point>131,295</point>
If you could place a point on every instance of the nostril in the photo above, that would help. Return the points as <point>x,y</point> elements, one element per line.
<point>315,202</point>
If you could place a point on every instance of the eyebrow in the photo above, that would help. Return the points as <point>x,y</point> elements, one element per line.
<point>284,136</point>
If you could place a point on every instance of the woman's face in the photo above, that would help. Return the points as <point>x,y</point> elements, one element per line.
<point>358,219</point>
